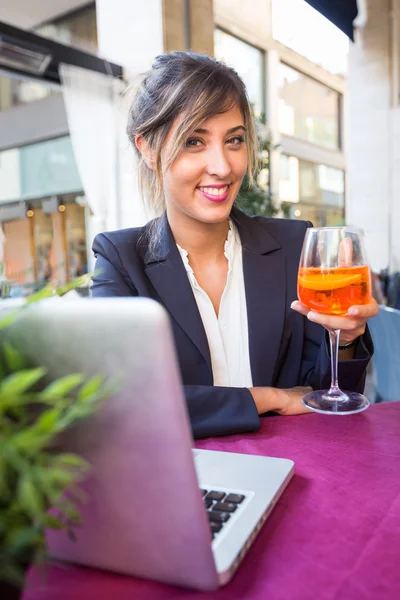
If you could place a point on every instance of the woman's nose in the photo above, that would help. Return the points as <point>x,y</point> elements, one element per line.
<point>218,163</point>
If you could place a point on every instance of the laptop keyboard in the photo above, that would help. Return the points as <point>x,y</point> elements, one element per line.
<point>220,506</point>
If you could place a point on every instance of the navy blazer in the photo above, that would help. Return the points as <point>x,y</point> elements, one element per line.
<point>286,350</point>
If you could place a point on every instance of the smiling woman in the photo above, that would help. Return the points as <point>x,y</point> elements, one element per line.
<point>167,126</point>
<point>227,280</point>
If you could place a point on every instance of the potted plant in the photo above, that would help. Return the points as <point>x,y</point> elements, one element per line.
<point>258,199</point>
<point>33,477</point>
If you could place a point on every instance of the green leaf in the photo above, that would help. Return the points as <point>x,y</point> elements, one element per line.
<point>90,388</point>
<point>12,573</point>
<point>53,522</point>
<point>30,498</point>
<point>8,319</point>
<point>82,281</point>
<point>4,489</point>
<point>23,538</point>
<point>72,460</point>
<point>45,292</point>
<point>47,421</point>
<point>62,387</point>
<point>69,512</point>
<point>32,440</point>
<point>60,477</point>
<point>13,358</point>
<point>18,383</point>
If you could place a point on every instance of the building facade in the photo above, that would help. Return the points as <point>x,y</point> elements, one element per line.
<point>45,219</point>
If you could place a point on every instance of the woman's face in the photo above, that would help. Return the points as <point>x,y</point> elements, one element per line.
<point>203,181</point>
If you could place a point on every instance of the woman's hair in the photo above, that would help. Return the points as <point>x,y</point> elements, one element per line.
<point>195,87</point>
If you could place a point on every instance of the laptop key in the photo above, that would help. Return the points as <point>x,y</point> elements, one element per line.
<point>213,495</point>
<point>235,498</point>
<point>215,527</point>
<point>225,507</point>
<point>218,517</point>
<point>208,503</point>
<point>203,492</point>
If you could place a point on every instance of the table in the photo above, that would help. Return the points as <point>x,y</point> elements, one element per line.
<point>334,534</point>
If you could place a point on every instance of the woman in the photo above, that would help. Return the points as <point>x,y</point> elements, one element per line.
<point>227,280</point>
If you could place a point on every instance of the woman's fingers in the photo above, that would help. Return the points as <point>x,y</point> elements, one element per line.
<point>334,322</point>
<point>299,307</point>
<point>365,311</point>
<point>353,323</point>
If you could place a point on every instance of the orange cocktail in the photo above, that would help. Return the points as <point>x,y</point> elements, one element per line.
<point>333,291</point>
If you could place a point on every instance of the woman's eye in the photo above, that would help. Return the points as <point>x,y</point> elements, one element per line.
<point>238,140</point>
<point>193,143</point>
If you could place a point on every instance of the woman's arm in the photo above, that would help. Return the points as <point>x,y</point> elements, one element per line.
<point>213,410</point>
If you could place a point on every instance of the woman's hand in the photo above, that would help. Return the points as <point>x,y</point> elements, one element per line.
<point>351,325</point>
<point>283,402</point>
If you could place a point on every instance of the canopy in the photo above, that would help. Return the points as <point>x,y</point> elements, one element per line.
<point>341,12</point>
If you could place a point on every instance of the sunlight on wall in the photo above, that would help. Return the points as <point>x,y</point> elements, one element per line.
<point>310,34</point>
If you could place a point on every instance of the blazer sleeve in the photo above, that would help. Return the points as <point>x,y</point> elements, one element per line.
<point>217,410</point>
<point>212,410</point>
<point>110,277</point>
<point>316,361</point>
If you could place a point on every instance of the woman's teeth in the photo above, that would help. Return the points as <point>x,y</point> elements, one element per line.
<point>214,191</point>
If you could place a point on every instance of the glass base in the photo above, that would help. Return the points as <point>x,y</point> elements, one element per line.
<point>345,403</point>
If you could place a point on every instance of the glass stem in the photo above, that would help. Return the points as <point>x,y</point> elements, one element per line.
<point>334,343</point>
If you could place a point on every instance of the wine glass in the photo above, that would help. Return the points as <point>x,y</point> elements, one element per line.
<point>334,275</point>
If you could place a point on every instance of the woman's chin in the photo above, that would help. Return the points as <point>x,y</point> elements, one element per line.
<point>214,213</point>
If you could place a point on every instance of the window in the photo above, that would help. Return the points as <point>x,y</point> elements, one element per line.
<point>15,91</point>
<point>248,61</point>
<point>308,109</point>
<point>312,192</point>
<point>46,244</point>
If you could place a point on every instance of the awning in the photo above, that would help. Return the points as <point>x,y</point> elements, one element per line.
<point>26,53</point>
<point>341,12</point>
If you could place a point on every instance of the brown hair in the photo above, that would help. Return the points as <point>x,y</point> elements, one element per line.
<point>195,87</point>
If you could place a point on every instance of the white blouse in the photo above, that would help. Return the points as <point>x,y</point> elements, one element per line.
<point>227,334</point>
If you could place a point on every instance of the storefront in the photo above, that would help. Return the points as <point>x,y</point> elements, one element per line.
<point>43,214</point>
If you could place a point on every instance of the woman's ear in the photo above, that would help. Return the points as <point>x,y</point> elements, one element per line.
<point>147,153</point>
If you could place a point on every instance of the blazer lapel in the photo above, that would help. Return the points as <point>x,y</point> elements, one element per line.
<point>264,271</point>
<point>169,278</point>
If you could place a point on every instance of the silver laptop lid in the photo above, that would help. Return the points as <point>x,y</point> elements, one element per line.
<point>139,443</point>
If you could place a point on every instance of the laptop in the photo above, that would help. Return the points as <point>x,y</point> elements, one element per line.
<point>155,507</point>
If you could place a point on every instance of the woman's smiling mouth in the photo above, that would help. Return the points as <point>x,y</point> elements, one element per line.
<point>215,193</point>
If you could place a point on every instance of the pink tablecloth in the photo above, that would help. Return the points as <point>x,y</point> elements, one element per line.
<point>334,535</point>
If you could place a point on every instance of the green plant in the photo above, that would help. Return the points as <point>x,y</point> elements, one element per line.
<point>33,477</point>
<point>258,199</point>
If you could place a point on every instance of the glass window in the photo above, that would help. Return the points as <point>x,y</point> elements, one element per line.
<point>311,191</point>
<point>48,244</point>
<point>48,168</point>
<point>248,61</point>
<point>15,91</point>
<point>327,46</point>
<point>308,109</point>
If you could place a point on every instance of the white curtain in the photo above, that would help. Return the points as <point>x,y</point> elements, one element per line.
<point>95,121</point>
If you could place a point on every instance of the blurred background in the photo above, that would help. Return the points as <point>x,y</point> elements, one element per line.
<point>327,110</point>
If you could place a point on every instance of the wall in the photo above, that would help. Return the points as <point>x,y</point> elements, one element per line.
<point>249,20</point>
<point>33,122</point>
<point>373,177</point>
